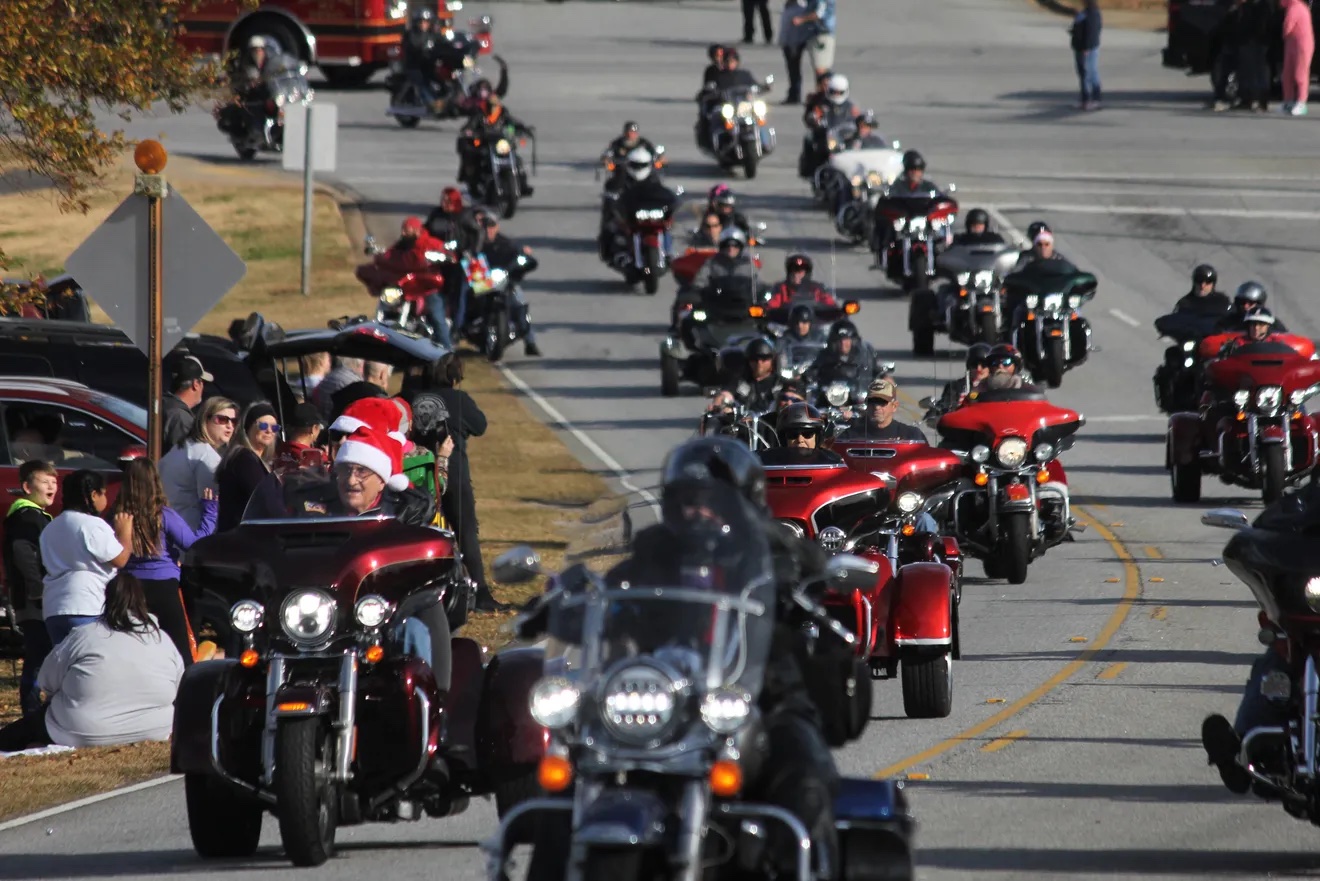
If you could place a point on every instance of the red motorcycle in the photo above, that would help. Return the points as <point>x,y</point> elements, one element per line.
<point>919,224</point>
<point>906,616</point>
<point>1012,503</point>
<point>401,295</point>
<point>1251,429</point>
<point>1210,347</point>
<point>343,698</point>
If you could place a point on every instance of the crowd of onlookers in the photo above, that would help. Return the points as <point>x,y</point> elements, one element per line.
<point>107,628</point>
<point>1249,36</point>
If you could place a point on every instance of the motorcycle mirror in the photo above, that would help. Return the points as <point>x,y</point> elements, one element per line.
<point>769,80</point>
<point>679,190</point>
<point>302,69</point>
<point>1225,518</point>
<point>888,367</point>
<point>517,565</point>
<point>760,226</point>
<point>926,403</point>
<point>953,188</point>
<point>898,145</point>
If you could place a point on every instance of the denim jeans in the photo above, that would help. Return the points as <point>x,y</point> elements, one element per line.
<point>59,626</point>
<point>1088,74</point>
<point>435,311</point>
<point>421,82</point>
<point>926,523</point>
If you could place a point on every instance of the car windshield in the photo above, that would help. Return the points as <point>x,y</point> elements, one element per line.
<point>123,409</point>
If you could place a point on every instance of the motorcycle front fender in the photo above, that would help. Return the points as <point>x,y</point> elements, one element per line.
<point>1184,438</point>
<point>303,700</point>
<point>921,613</point>
<point>507,735</point>
<point>624,818</point>
<point>768,139</point>
<point>202,683</point>
<point>1271,434</point>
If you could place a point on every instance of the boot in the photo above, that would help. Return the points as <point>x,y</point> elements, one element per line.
<point>531,348</point>
<point>1222,745</point>
<point>486,601</point>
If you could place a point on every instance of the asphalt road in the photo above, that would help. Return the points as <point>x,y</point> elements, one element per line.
<point>1073,746</point>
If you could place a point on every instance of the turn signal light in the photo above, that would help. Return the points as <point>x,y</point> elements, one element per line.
<point>851,307</point>
<point>726,778</point>
<point>909,529</point>
<point>1056,332</point>
<point>293,707</point>
<point>1031,316</point>
<point>1241,416</point>
<point>981,479</point>
<point>1042,476</point>
<point>249,658</point>
<point>374,654</point>
<point>756,311</point>
<point>555,773</point>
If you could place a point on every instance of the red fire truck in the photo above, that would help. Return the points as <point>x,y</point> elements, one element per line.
<point>349,40</point>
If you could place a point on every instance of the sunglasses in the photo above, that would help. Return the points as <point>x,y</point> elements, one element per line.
<point>1002,362</point>
<point>795,433</point>
<point>224,420</point>
<point>268,426</point>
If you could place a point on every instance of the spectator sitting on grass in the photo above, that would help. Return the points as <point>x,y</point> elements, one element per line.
<point>111,682</point>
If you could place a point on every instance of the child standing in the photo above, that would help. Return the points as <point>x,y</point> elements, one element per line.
<point>26,519</point>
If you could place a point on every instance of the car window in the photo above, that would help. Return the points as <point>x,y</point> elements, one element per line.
<point>25,365</point>
<point>65,436</point>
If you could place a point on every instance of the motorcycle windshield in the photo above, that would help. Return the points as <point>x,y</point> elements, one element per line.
<point>285,79</point>
<point>802,354</point>
<point>311,494</point>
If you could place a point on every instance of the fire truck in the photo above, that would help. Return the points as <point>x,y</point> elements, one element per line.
<point>349,40</point>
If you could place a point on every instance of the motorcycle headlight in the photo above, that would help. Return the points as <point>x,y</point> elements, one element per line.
<point>1032,301</point>
<point>1189,346</point>
<point>837,394</point>
<point>985,279</point>
<point>371,611</point>
<point>502,147</point>
<point>909,502</point>
<point>727,111</point>
<point>758,107</point>
<point>246,616</point>
<point>1313,594</point>
<point>468,63</point>
<point>796,528</point>
<point>308,616</point>
<point>898,225</point>
<point>1241,398</point>
<point>1053,302</point>
<point>698,315</point>
<point>1074,301</point>
<point>638,704</point>
<point>831,538</point>
<point>1268,398</point>
<point>554,702</point>
<point>391,296</point>
<point>1044,452</point>
<point>1011,452</point>
<point>497,276</point>
<point>398,9</point>
<point>980,454</point>
<point>964,277</point>
<point>725,710</point>
<point>436,256</point>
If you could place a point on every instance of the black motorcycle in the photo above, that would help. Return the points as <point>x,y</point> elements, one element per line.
<point>643,244</point>
<point>735,131</point>
<point>1178,380</point>
<point>1050,331</point>
<point>709,330</point>
<point>968,306</point>
<point>254,122</point>
<point>497,313</point>
<point>498,176</point>
<point>451,80</point>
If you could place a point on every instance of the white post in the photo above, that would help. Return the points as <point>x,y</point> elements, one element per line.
<point>307,204</point>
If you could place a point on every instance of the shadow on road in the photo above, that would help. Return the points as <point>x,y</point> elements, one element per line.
<point>1061,862</point>
<point>1132,656</point>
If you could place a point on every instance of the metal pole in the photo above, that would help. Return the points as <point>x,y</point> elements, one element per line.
<point>155,326</point>
<point>307,204</point>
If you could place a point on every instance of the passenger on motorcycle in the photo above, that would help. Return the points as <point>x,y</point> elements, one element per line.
<point>732,261</point>
<point>501,253</point>
<point>757,386</point>
<point>1203,299</point>
<point>419,56</point>
<point>976,230</point>
<point>619,152</point>
<point>1256,327</point>
<point>453,221</point>
<point>865,136</point>
<point>798,286</point>
<point>723,202</point>
<point>846,357</point>
<point>827,109</point>
<point>715,52</point>
<point>408,254</point>
<point>490,116</point>
<point>708,233</point>
<point>978,369</point>
<point>880,423</point>
<point>1250,297</point>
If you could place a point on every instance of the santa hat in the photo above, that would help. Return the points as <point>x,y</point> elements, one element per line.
<point>379,414</point>
<point>377,451</point>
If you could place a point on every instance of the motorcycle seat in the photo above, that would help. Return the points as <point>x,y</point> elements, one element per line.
<point>458,739</point>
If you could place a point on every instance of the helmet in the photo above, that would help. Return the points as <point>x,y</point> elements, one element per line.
<point>451,200</point>
<point>978,355</point>
<point>639,161</point>
<point>1002,353</point>
<point>1204,273</point>
<point>978,216</point>
<point>913,161</point>
<point>1260,316</point>
<point>423,14</point>
<point>843,329</point>
<point>731,233</point>
<point>801,312</point>
<point>714,51</point>
<point>759,348</point>
<point>259,42</point>
<point>631,128</point>
<point>1036,229</point>
<point>798,417</point>
<point>867,118</point>
<point>797,262</point>
<point>836,88</point>
<point>719,459</point>
<point>412,227</point>
<point>717,191</point>
<point>1251,292</point>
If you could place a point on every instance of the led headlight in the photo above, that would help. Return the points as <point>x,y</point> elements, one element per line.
<point>796,528</point>
<point>698,315</point>
<point>638,704</point>
<point>837,393</point>
<point>371,611</point>
<point>1241,398</point>
<point>435,257</point>
<point>758,107</point>
<point>497,276</point>
<point>502,147</point>
<point>308,616</point>
<point>980,454</point>
<point>1074,301</point>
<point>246,616</point>
<point>831,538</point>
<point>727,111</point>
<point>725,710</point>
<point>1032,301</point>
<point>1189,346</point>
<point>909,502</point>
<point>554,702</point>
<point>1044,452</point>
<point>744,108</point>
<point>985,278</point>
<point>1011,452</point>
<point>1053,302</point>
<point>391,296</point>
<point>1268,398</point>
<point>1313,594</point>
<point>964,277</point>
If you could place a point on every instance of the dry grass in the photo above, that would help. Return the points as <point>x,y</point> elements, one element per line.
<point>529,487</point>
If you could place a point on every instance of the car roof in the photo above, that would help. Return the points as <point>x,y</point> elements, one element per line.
<point>47,385</point>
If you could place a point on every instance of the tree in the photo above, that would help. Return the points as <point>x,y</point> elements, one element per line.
<point>62,60</point>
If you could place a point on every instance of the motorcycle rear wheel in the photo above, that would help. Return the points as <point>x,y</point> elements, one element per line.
<point>306,805</point>
<point>927,682</point>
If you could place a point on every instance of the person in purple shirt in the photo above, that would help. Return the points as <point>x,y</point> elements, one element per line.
<point>160,536</point>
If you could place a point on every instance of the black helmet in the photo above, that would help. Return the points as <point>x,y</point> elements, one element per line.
<point>795,262</point>
<point>843,329</point>
<point>1003,353</point>
<point>1036,229</point>
<point>720,459</point>
<point>725,197</point>
<point>797,417</point>
<point>423,14</point>
<point>759,348</point>
<point>1203,274</point>
<point>978,354</point>
<point>978,215</point>
<point>801,312</point>
<point>1251,292</point>
<point>631,128</point>
<point>867,118</point>
<point>913,161</point>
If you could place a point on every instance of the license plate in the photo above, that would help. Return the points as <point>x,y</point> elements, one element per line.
<point>1276,686</point>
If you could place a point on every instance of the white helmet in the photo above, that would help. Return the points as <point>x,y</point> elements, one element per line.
<point>258,42</point>
<point>836,88</point>
<point>640,162</point>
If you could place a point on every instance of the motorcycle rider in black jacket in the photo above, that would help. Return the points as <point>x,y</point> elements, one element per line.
<point>724,202</point>
<point>912,183</point>
<point>846,357</point>
<point>618,150</point>
<point>635,180</point>
<point>489,117</point>
<point>757,385</point>
<point>1250,297</point>
<point>419,50</point>
<point>976,230</point>
<point>732,75</point>
<point>827,109</point>
<point>1203,299</point>
<point>502,253</point>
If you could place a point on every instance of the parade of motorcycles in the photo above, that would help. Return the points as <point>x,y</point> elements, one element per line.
<point>965,431</point>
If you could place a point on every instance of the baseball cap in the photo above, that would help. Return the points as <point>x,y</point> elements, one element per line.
<point>882,390</point>
<point>191,368</point>
<point>306,416</point>
<point>1043,236</point>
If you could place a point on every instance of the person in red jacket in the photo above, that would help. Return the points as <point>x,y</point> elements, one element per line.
<point>797,286</point>
<point>408,254</point>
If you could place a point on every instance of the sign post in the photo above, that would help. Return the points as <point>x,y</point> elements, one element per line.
<point>307,203</point>
<point>310,144</point>
<point>150,158</point>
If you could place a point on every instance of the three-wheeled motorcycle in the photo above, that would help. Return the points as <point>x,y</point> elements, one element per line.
<point>968,306</point>
<point>710,329</point>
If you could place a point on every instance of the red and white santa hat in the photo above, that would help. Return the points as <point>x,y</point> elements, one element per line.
<point>377,451</point>
<point>377,413</point>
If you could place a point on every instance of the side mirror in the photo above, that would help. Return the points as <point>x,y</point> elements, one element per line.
<point>926,403</point>
<point>760,226</point>
<point>953,188</point>
<point>840,565</point>
<point>517,565</point>
<point>888,367</point>
<point>769,80</point>
<point>1225,518</point>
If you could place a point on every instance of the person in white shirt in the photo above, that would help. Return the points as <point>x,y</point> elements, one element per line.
<point>111,682</point>
<point>188,470</point>
<point>81,552</point>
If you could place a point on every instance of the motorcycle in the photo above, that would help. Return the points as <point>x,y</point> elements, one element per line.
<point>332,710</point>
<point>644,245</point>
<point>1178,380</point>
<point>906,616</point>
<point>1264,439</point>
<point>1051,333</point>
<point>969,308</point>
<point>756,429</point>
<point>710,335</point>
<point>401,299</point>
<point>497,313</point>
<point>919,223</point>
<point>654,735</point>
<point>500,178</point>
<point>860,179</point>
<point>258,126</point>
<point>686,266</point>
<point>739,134</point>
<point>1012,503</point>
<point>449,84</point>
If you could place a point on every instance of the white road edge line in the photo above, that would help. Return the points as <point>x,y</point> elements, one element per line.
<point>1125,318</point>
<point>622,474</point>
<point>86,802</point>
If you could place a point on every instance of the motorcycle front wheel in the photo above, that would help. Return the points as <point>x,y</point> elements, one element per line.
<point>1015,546</point>
<point>509,184</point>
<point>497,334</point>
<point>307,808</point>
<point>1051,368</point>
<point>1274,467</point>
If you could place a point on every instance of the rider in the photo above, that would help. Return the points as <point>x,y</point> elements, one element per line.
<point>978,369</point>
<point>1257,327</point>
<point>1006,371</point>
<point>489,116</point>
<point>452,221</point>
<point>731,261</point>
<point>846,356</point>
<point>619,152</point>
<point>798,286</point>
<point>722,200</point>
<point>731,75</point>
<point>635,174</point>
<point>1042,250</point>
<point>879,422</point>
<point>757,386</point>
<point>1203,299</point>
<point>912,183</point>
<point>419,56</point>
<point>502,253</point>
<point>801,430</point>
<point>865,136</point>
<point>977,230</point>
<point>1250,297</point>
<point>715,52</point>
<point>827,109</point>
<point>801,327</point>
<point>248,83</point>
<point>408,254</point>
<point>1034,230</point>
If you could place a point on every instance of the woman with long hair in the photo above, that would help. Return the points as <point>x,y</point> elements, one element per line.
<point>81,552</point>
<point>160,536</point>
<point>110,682</point>
<point>245,469</point>
<point>189,469</point>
